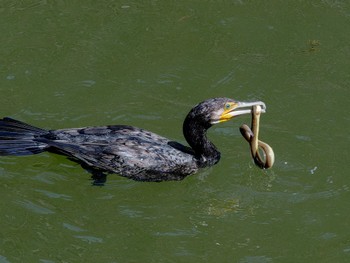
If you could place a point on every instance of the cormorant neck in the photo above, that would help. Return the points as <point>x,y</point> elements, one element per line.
<point>195,134</point>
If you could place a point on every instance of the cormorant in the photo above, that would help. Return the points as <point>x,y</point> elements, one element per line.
<point>129,151</point>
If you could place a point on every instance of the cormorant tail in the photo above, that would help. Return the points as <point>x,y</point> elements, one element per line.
<point>19,138</point>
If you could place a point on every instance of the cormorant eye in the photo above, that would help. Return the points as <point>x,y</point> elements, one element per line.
<point>227,106</point>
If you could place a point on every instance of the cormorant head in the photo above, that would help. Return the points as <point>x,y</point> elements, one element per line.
<point>216,110</point>
<point>204,115</point>
<point>226,109</point>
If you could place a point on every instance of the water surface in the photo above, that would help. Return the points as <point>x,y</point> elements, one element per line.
<point>71,64</point>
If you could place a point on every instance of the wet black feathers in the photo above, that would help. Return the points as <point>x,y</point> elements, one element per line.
<point>129,151</point>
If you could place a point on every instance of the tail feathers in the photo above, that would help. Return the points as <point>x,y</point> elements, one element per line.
<point>10,125</point>
<point>19,138</point>
<point>20,147</point>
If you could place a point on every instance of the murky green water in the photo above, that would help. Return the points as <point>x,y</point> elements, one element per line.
<point>78,63</point>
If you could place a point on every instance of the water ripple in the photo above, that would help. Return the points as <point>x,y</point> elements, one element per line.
<point>90,239</point>
<point>35,207</point>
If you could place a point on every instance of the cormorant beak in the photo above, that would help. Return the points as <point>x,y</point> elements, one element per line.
<point>233,109</point>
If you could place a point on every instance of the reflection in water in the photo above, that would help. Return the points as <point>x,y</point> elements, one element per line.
<point>90,239</point>
<point>36,208</point>
<point>3,259</point>
<point>73,228</point>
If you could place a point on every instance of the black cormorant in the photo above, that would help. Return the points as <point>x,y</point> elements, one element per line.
<point>129,151</point>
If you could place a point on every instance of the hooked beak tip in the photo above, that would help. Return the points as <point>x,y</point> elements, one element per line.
<point>247,105</point>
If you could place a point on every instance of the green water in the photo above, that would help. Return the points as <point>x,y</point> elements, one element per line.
<point>146,63</point>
